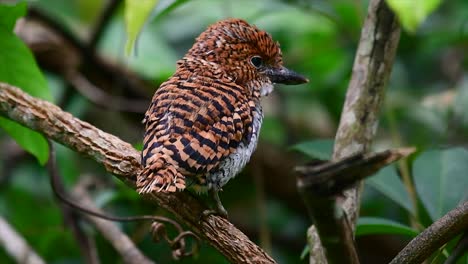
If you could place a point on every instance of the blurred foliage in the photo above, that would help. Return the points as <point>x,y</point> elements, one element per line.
<point>136,14</point>
<point>425,107</point>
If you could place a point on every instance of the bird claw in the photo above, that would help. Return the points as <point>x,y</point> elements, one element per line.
<point>218,211</point>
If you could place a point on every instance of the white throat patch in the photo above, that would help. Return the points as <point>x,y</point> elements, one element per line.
<point>266,89</point>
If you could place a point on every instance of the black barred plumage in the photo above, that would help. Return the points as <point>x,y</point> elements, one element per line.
<point>203,123</point>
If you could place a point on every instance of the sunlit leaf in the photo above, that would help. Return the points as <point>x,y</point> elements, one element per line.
<point>412,13</point>
<point>10,13</point>
<point>373,225</point>
<point>23,72</point>
<point>136,15</point>
<point>319,149</point>
<point>387,182</point>
<point>441,179</point>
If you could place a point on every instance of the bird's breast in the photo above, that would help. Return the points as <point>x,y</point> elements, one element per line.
<point>236,161</point>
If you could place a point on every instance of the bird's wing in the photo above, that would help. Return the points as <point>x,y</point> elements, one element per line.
<point>192,126</point>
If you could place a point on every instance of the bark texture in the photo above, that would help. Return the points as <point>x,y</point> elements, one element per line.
<point>122,160</point>
<point>359,121</point>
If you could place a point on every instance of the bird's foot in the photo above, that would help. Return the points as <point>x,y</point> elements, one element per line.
<point>219,208</point>
<point>218,211</point>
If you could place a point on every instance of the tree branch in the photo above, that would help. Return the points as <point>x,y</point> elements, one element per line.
<point>318,184</point>
<point>70,217</point>
<point>122,160</point>
<point>435,236</point>
<point>460,249</point>
<point>16,246</point>
<point>120,241</point>
<point>328,178</point>
<point>359,119</point>
<point>366,91</point>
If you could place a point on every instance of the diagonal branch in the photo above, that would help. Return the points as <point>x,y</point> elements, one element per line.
<point>328,178</point>
<point>122,160</point>
<point>435,236</point>
<point>320,182</point>
<point>124,246</point>
<point>71,217</point>
<point>16,246</point>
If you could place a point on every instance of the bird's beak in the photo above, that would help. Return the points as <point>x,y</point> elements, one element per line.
<point>285,76</point>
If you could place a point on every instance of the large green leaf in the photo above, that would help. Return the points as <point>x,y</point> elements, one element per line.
<point>412,13</point>
<point>441,179</point>
<point>319,149</point>
<point>18,67</point>
<point>28,139</point>
<point>10,13</point>
<point>136,15</point>
<point>387,182</point>
<point>373,225</point>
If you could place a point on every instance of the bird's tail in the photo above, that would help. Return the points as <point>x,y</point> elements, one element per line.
<point>165,179</point>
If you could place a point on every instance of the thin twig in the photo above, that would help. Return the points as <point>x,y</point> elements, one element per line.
<point>122,160</point>
<point>71,218</point>
<point>120,241</point>
<point>178,244</point>
<point>16,246</point>
<point>435,236</point>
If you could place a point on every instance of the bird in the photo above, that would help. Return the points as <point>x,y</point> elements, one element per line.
<point>203,123</point>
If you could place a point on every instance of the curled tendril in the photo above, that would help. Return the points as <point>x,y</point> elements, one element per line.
<point>178,244</point>
<point>158,228</point>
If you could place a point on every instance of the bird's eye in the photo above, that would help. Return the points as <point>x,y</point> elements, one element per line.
<point>256,61</point>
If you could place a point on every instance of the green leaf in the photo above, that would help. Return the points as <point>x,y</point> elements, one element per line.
<point>387,182</point>
<point>412,13</point>
<point>22,71</point>
<point>319,149</point>
<point>10,13</point>
<point>136,15</point>
<point>373,225</point>
<point>28,139</point>
<point>441,179</point>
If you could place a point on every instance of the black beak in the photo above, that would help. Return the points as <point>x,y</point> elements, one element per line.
<point>285,76</point>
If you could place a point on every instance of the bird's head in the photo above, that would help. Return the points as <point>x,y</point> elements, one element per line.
<point>248,55</point>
